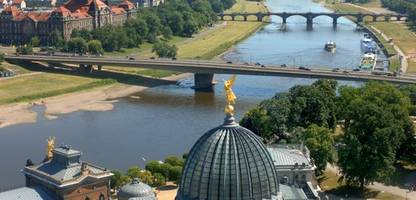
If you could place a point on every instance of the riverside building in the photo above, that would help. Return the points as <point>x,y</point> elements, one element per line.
<point>62,176</point>
<point>19,26</point>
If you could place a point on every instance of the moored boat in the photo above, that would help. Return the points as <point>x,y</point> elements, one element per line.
<point>368,61</point>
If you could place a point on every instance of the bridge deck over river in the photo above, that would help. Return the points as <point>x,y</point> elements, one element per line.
<point>204,70</point>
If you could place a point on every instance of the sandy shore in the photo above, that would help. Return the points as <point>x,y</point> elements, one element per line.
<point>97,99</point>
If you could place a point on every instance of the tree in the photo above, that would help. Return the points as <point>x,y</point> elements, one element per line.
<point>189,28</point>
<point>35,41</point>
<point>25,49</point>
<point>167,32</point>
<point>95,47</point>
<point>174,161</point>
<point>159,180</point>
<point>77,45</point>
<point>314,104</point>
<point>376,126</point>
<point>1,57</point>
<point>320,144</point>
<point>55,39</point>
<point>119,180</point>
<point>258,122</point>
<point>175,174</point>
<point>162,49</point>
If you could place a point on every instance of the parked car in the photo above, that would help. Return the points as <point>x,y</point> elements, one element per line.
<point>284,65</point>
<point>335,70</point>
<point>152,58</point>
<point>229,62</point>
<point>304,68</point>
<point>346,72</point>
<point>263,66</point>
<point>131,58</point>
<point>257,63</point>
<point>174,58</point>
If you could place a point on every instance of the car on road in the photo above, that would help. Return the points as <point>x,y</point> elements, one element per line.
<point>174,58</point>
<point>346,72</point>
<point>257,63</point>
<point>356,70</point>
<point>335,70</point>
<point>229,62</point>
<point>152,58</point>
<point>263,65</point>
<point>131,58</point>
<point>304,68</point>
<point>284,65</point>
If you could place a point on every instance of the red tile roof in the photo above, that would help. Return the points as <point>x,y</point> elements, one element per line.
<point>127,5</point>
<point>62,11</point>
<point>117,10</point>
<point>17,2</point>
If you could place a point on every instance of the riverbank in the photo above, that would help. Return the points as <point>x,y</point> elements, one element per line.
<point>97,99</point>
<point>64,92</point>
<point>394,36</point>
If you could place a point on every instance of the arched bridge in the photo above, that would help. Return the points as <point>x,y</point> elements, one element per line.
<point>204,70</point>
<point>309,16</point>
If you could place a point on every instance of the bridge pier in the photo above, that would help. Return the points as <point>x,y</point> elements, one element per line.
<point>334,21</point>
<point>259,17</point>
<point>374,18</point>
<point>99,67</point>
<point>309,23</point>
<point>360,18</point>
<point>245,17</point>
<point>232,17</point>
<point>222,17</point>
<point>203,81</point>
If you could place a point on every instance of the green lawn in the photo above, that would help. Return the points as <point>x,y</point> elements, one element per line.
<point>372,4</point>
<point>43,85</point>
<point>329,183</point>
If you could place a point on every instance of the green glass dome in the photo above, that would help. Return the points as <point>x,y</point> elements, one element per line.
<point>228,162</point>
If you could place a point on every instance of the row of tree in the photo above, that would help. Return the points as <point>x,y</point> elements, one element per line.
<point>367,128</point>
<point>175,17</point>
<point>155,174</point>
<point>402,6</point>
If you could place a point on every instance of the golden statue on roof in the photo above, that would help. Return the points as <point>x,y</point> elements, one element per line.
<point>230,96</point>
<point>50,147</point>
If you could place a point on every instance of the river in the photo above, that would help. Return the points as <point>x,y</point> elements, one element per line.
<point>167,120</point>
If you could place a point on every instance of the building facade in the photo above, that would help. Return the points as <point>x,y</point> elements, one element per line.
<point>19,26</point>
<point>63,177</point>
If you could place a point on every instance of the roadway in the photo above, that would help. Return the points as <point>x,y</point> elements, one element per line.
<point>210,67</point>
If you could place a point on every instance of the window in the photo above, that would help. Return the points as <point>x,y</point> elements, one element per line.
<point>87,198</point>
<point>101,197</point>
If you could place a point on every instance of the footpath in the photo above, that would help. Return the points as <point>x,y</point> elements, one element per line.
<point>381,187</point>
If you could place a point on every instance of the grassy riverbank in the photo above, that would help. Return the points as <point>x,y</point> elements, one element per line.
<point>400,34</point>
<point>208,44</point>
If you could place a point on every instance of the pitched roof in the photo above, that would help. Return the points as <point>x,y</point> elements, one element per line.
<point>38,16</point>
<point>117,10</point>
<point>17,2</point>
<point>62,11</point>
<point>16,13</point>
<point>288,157</point>
<point>26,193</point>
<point>65,169</point>
<point>127,5</point>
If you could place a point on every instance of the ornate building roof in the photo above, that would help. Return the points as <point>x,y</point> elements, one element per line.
<point>136,190</point>
<point>65,168</point>
<point>229,162</point>
<point>26,193</point>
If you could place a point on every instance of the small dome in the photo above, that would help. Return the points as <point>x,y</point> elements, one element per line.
<point>229,162</point>
<point>136,190</point>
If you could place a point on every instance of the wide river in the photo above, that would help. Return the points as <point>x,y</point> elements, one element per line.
<point>167,120</point>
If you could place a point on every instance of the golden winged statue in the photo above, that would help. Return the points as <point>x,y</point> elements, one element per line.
<point>50,147</point>
<point>230,96</point>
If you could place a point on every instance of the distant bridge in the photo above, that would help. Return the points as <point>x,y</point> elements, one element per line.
<point>309,16</point>
<point>204,70</point>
